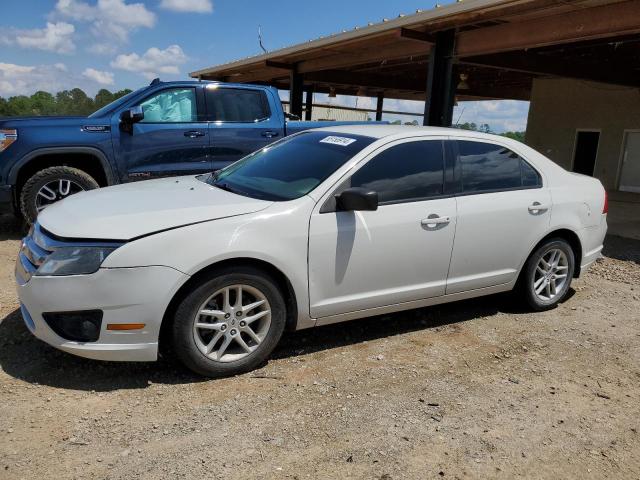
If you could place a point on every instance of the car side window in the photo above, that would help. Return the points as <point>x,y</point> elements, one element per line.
<point>403,173</point>
<point>176,105</point>
<point>237,105</point>
<point>487,167</point>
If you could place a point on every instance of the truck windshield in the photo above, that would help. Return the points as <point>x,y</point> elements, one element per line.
<point>113,105</point>
<point>290,168</point>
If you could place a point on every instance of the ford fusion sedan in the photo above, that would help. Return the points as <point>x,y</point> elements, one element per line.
<point>324,226</point>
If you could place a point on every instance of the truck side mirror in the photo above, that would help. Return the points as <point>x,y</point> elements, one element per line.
<point>129,117</point>
<point>356,198</point>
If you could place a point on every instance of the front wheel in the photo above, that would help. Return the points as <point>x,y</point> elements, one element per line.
<point>547,274</point>
<point>52,185</point>
<point>230,323</point>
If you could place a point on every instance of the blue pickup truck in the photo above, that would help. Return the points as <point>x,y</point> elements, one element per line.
<point>166,128</point>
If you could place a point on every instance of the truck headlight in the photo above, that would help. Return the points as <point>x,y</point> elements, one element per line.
<point>74,261</point>
<point>7,137</point>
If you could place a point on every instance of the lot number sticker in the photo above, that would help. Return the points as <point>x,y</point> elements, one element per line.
<point>342,141</point>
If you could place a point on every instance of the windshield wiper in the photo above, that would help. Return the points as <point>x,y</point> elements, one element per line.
<point>229,188</point>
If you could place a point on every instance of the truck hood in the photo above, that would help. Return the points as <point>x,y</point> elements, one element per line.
<point>19,122</point>
<point>128,211</point>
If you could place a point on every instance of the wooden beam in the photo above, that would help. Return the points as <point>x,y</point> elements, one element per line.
<point>280,65</point>
<point>371,80</point>
<point>548,65</point>
<point>349,58</point>
<point>379,107</point>
<point>612,20</point>
<point>416,35</point>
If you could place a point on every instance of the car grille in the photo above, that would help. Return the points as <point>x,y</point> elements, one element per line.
<point>35,249</point>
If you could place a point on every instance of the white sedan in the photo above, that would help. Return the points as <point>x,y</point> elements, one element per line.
<point>324,226</point>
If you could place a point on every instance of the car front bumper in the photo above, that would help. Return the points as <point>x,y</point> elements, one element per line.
<point>125,295</point>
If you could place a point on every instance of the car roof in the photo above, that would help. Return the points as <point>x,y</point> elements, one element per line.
<point>381,131</point>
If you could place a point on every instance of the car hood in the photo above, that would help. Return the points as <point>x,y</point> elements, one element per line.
<point>132,210</point>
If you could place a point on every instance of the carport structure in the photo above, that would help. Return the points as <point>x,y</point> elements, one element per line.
<point>469,50</point>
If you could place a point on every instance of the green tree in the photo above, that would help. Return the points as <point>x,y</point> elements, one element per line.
<point>19,105</point>
<point>514,135</point>
<point>66,102</point>
<point>43,103</point>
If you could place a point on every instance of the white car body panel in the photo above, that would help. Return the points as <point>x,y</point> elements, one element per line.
<point>340,265</point>
<point>130,210</point>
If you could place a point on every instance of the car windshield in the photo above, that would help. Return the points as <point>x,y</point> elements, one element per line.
<point>290,168</point>
<point>113,105</point>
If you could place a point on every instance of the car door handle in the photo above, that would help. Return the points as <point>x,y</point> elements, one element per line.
<point>435,220</point>
<point>269,134</point>
<point>194,134</point>
<point>537,207</point>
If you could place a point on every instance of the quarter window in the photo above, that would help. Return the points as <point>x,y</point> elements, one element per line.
<point>177,105</point>
<point>237,105</point>
<point>406,172</point>
<point>490,167</point>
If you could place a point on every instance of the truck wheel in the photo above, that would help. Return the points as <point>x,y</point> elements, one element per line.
<point>51,185</point>
<point>229,323</point>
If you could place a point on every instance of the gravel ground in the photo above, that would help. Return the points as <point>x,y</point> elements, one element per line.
<point>474,389</point>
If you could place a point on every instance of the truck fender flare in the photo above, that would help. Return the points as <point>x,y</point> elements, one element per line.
<point>108,170</point>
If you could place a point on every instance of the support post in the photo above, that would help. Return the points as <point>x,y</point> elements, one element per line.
<point>379,107</point>
<point>295,93</point>
<point>308,106</point>
<point>441,86</point>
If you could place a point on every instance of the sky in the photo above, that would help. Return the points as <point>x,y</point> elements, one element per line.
<point>53,45</point>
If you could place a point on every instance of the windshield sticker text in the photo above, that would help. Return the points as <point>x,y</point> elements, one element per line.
<point>343,141</point>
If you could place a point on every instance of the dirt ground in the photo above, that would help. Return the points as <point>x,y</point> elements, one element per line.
<point>475,389</point>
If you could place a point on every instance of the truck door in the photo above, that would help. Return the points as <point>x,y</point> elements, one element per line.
<point>241,122</point>
<point>171,139</point>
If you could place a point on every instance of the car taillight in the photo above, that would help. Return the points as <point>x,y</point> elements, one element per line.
<point>7,137</point>
<point>605,208</point>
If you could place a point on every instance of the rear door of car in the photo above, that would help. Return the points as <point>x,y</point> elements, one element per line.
<point>503,209</point>
<point>241,121</point>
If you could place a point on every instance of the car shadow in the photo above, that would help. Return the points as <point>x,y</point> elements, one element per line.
<point>24,357</point>
<point>12,228</point>
<point>621,248</point>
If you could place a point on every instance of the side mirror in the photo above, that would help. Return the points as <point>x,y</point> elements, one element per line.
<point>132,115</point>
<point>356,198</point>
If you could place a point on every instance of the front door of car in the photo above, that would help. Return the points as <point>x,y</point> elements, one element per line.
<point>503,210</point>
<point>171,139</point>
<point>241,123</point>
<point>398,253</point>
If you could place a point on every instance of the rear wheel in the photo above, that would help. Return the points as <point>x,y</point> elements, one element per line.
<point>51,185</point>
<point>547,274</point>
<point>230,323</point>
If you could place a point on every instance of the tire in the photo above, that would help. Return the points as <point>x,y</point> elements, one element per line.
<point>537,285</point>
<point>191,344</point>
<point>77,181</point>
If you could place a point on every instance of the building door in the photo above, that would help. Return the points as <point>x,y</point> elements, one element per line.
<point>586,149</point>
<point>630,175</point>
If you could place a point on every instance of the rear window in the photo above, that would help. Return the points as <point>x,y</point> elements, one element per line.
<point>489,167</point>
<point>237,105</point>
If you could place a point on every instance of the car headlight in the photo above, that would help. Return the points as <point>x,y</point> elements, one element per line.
<point>74,261</point>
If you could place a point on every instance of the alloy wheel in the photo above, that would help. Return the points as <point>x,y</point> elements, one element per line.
<point>55,191</point>
<point>550,275</point>
<point>232,323</point>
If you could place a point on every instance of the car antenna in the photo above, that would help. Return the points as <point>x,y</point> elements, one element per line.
<point>155,81</point>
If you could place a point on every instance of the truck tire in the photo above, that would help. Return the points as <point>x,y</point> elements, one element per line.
<point>52,185</point>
